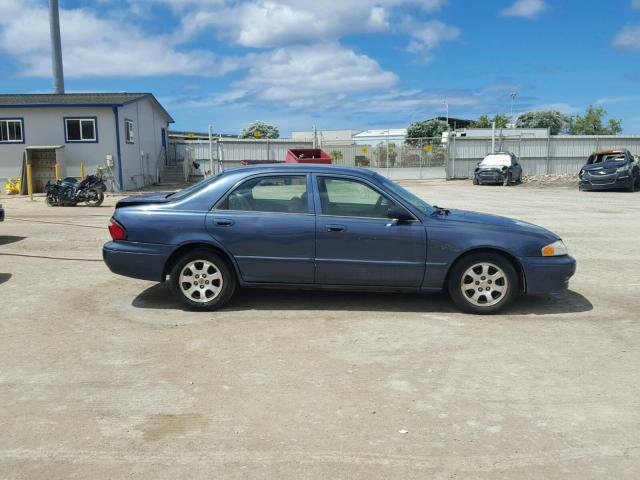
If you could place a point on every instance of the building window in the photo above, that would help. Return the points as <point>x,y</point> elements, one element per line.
<point>11,130</point>
<point>128,130</point>
<point>81,129</point>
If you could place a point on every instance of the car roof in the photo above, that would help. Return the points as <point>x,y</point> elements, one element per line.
<point>609,152</point>
<point>302,168</point>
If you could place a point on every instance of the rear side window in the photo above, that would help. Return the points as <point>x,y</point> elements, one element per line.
<point>351,198</point>
<point>275,194</point>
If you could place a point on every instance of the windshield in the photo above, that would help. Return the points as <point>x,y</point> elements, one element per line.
<point>185,192</point>
<point>416,202</point>
<point>496,161</point>
<point>607,158</point>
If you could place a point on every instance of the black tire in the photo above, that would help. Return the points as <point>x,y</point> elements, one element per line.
<point>218,298</point>
<point>632,185</point>
<point>475,181</point>
<point>51,200</point>
<point>97,197</point>
<point>519,178</point>
<point>471,302</point>
<point>507,180</point>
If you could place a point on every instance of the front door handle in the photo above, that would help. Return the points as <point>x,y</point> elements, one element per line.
<point>336,228</point>
<point>224,222</point>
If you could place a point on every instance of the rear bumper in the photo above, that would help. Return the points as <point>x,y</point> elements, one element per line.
<point>548,274</point>
<point>145,261</point>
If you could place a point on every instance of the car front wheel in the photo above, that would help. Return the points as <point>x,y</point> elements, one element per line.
<point>202,280</point>
<point>483,283</point>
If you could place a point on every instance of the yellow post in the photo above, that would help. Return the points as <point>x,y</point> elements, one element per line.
<point>29,181</point>
<point>57,172</point>
<point>82,170</point>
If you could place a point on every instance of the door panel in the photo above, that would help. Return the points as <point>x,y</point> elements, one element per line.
<point>364,250</point>
<point>269,244</point>
<point>268,247</point>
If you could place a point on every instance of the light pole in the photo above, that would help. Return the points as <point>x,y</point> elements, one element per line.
<point>446,104</point>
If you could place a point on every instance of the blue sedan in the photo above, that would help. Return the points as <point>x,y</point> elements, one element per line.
<point>313,226</point>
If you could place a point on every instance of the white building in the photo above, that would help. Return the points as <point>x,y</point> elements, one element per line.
<point>326,137</point>
<point>128,128</point>
<point>373,137</point>
<point>501,132</point>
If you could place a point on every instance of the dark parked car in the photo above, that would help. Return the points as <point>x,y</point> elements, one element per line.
<point>610,169</point>
<point>315,226</point>
<point>500,167</point>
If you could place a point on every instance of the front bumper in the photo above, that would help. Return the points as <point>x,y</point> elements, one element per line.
<point>490,178</point>
<point>548,274</point>
<point>604,182</point>
<point>145,261</point>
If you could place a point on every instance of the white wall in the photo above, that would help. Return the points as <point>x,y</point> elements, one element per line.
<point>45,126</point>
<point>140,159</point>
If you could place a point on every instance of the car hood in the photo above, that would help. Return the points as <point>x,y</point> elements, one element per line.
<point>603,166</point>
<point>143,200</point>
<point>481,168</point>
<point>498,222</point>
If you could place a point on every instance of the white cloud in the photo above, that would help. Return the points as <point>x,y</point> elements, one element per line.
<point>524,9</point>
<point>628,38</point>
<point>429,35</point>
<point>635,3</point>
<point>618,99</point>
<point>95,46</point>
<point>562,107</point>
<point>308,76</point>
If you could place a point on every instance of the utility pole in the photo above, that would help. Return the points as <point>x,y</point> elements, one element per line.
<point>513,96</point>
<point>446,104</point>
<point>56,47</point>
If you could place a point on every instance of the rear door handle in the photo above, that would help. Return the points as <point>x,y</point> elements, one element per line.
<point>224,222</point>
<point>336,228</point>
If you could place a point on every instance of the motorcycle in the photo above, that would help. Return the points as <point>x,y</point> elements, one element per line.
<point>68,192</point>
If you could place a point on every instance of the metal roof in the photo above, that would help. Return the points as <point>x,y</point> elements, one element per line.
<point>75,100</point>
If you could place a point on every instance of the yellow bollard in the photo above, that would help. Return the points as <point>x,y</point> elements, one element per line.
<point>57,172</point>
<point>29,181</point>
<point>82,170</point>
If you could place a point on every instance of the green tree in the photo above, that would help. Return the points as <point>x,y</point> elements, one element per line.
<point>420,133</point>
<point>380,152</point>
<point>336,155</point>
<point>551,119</point>
<point>260,130</point>
<point>484,121</point>
<point>592,123</point>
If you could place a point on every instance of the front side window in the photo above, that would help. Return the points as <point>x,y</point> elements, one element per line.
<point>128,130</point>
<point>275,194</point>
<point>81,129</point>
<point>351,198</point>
<point>11,131</point>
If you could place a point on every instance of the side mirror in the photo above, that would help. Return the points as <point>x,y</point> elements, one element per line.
<point>399,213</point>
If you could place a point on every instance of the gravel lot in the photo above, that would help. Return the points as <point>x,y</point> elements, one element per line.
<point>105,377</point>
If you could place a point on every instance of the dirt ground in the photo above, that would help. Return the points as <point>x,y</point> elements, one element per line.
<point>105,377</point>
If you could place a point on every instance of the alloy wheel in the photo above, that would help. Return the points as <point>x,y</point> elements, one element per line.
<point>484,284</point>
<point>201,281</point>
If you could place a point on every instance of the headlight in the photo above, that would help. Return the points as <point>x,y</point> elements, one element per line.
<point>554,249</point>
<point>581,173</point>
<point>624,169</point>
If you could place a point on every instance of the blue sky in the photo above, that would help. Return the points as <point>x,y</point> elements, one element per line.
<point>337,64</point>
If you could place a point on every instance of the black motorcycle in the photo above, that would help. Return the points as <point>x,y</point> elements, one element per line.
<point>68,192</point>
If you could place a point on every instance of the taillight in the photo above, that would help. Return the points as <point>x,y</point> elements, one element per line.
<point>117,231</point>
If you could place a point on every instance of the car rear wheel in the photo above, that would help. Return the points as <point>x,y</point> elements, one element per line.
<point>483,283</point>
<point>202,280</point>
